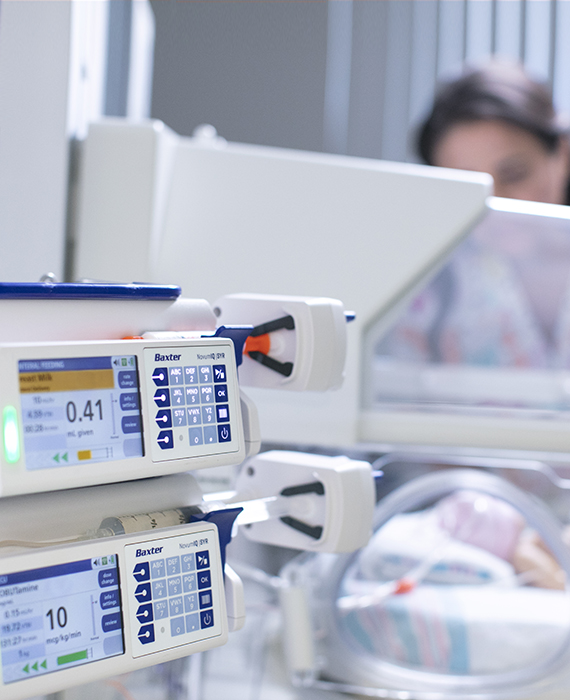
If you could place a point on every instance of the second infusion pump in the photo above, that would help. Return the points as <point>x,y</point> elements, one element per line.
<point>78,414</point>
<point>123,603</point>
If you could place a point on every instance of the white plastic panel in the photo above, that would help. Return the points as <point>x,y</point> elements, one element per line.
<point>237,218</point>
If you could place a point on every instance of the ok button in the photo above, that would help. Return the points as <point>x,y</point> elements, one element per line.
<point>221,393</point>
<point>204,579</point>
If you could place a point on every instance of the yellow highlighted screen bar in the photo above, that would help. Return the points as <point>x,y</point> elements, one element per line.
<point>84,454</point>
<point>34,382</point>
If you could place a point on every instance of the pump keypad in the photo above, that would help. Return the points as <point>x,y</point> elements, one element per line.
<point>173,592</point>
<point>195,400</point>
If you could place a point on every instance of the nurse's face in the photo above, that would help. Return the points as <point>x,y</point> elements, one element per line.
<point>521,166</point>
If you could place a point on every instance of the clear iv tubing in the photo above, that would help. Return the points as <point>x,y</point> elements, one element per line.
<point>409,581</point>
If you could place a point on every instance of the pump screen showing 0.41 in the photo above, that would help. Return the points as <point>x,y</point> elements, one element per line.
<point>59,616</point>
<point>79,410</point>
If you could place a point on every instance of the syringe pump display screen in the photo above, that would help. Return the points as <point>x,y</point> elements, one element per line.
<point>59,616</point>
<point>79,410</point>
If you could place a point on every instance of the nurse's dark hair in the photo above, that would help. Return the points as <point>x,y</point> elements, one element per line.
<point>497,91</point>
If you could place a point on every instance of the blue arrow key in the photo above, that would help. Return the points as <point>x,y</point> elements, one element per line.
<point>141,572</point>
<point>142,592</point>
<point>146,634</point>
<point>144,613</point>
<point>160,376</point>
<point>162,398</point>
<point>165,440</point>
<point>164,418</point>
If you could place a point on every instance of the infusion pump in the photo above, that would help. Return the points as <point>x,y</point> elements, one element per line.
<point>111,558</point>
<point>76,414</point>
<point>72,614</point>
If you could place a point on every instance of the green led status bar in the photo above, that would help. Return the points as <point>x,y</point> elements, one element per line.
<point>11,434</point>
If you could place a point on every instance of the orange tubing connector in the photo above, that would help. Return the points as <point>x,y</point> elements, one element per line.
<point>259,343</point>
<point>404,585</point>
